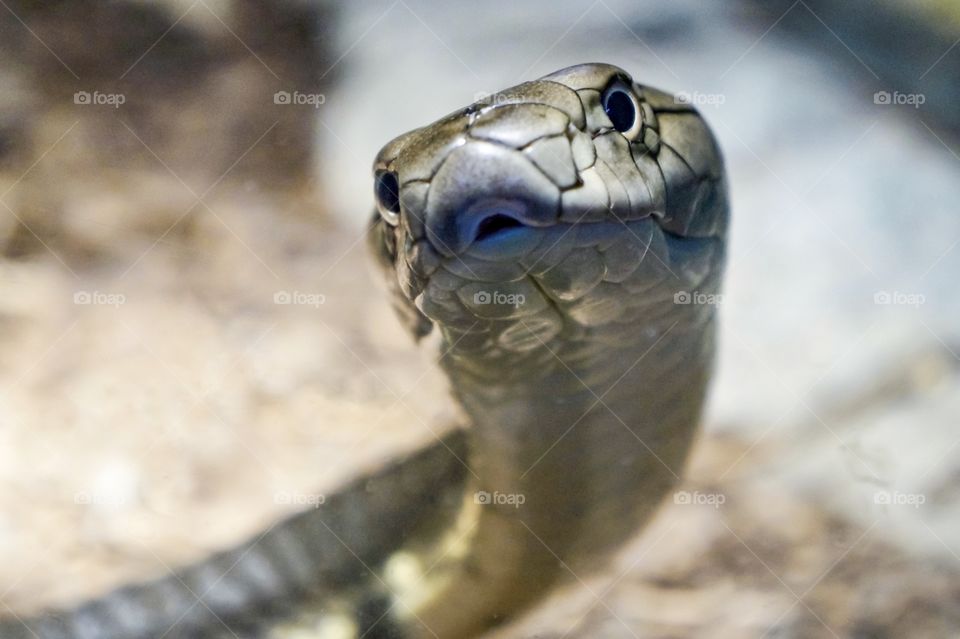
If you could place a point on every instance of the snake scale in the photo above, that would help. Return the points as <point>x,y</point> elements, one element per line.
<point>551,238</point>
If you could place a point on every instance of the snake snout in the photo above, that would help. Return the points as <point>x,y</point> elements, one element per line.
<point>485,194</point>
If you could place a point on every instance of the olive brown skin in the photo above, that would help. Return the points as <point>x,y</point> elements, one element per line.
<point>558,237</point>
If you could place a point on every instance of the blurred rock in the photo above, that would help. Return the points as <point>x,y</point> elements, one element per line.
<point>907,48</point>
<point>137,110</point>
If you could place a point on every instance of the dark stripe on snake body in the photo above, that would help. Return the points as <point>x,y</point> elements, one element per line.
<point>297,563</point>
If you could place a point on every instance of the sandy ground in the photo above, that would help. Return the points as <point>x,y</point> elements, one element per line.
<point>153,414</point>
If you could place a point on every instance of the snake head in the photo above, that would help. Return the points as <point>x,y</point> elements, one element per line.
<point>566,205</point>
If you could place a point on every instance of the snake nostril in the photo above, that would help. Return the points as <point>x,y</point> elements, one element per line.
<point>494,224</point>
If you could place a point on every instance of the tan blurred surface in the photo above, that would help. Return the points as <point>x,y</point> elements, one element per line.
<point>190,349</point>
<point>167,411</point>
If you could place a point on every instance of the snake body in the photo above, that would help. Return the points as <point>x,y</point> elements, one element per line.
<point>552,237</point>
<point>550,234</point>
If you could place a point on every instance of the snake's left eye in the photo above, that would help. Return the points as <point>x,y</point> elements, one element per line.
<point>387,191</point>
<point>621,106</point>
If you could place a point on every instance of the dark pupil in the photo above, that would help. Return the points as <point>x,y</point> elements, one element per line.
<point>388,191</point>
<point>619,108</point>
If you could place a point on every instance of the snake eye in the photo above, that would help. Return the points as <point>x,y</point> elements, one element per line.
<point>621,106</point>
<point>387,191</point>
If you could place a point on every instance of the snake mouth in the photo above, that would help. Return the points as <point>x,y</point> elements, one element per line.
<point>503,239</point>
<point>496,227</point>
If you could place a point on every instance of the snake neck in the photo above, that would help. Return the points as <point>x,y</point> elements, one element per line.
<point>587,422</point>
<point>567,460</point>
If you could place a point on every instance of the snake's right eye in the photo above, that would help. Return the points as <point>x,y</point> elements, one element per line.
<point>387,191</point>
<point>621,106</point>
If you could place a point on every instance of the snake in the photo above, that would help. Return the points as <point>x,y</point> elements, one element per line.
<point>557,243</point>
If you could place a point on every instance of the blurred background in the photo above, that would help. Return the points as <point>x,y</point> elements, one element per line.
<point>192,345</point>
